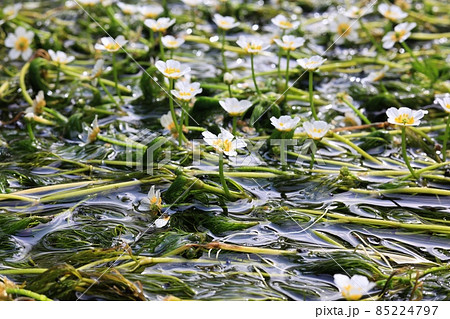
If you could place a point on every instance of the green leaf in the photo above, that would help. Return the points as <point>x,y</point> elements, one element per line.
<point>36,74</point>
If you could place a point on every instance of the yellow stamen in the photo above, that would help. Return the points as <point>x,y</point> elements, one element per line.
<point>252,46</point>
<point>346,293</point>
<point>172,70</point>
<point>286,24</point>
<point>22,44</point>
<point>112,46</point>
<point>343,29</point>
<point>404,119</point>
<point>93,135</point>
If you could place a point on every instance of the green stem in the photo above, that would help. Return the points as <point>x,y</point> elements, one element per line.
<point>253,75</point>
<point>107,92</point>
<point>116,79</point>
<point>58,75</point>
<point>23,87</point>
<point>408,49</point>
<point>161,47</point>
<point>286,86</point>
<point>225,67</point>
<point>193,17</point>
<point>28,293</point>
<point>166,9</point>
<point>234,125</point>
<point>279,58</point>
<point>30,131</point>
<point>356,148</point>
<point>121,143</point>
<point>358,112</point>
<point>311,164</point>
<point>311,95</point>
<point>152,40</point>
<point>378,222</point>
<point>229,90</point>
<point>405,155</point>
<point>283,154</point>
<point>186,116</point>
<point>172,111</point>
<point>444,143</point>
<point>372,39</point>
<point>222,176</point>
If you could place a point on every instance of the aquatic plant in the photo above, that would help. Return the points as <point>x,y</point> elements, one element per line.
<point>215,169</point>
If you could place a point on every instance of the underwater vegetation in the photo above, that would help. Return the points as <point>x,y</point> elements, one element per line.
<point>224,150</point>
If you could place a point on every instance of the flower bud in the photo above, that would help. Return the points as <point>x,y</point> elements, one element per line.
<point>228,78</point>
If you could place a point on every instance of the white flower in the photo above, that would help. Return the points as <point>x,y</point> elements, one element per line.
<point>401,32</point>
<point>106,3</point>
<point>404,116</point>
<point>11,11</point>
<point>171,42</point>
<point>285,123</point>
<point>445,103</point>
<point>128,9</point>
<point>88,3</point>
<point>93,132</point>
<point>111,45</point>
<point>38,104</point>
<point>98,69</point>
<point>60,57</point>
<point>311,63</point>
<point>289,42</point>
<point>317,129</point>
<point>160,25</point>
<point>375,76</point>
<point>172,69</point>
<point>354,288</point>
<point>20,42</point>
<point>151,11</point>
<point>234,107</point>
<point>185,91</point>
<point>355,12</point>
<point>162,221</point>
<point>351,119</point>
<point>192,3</point>
<point>29,116</point>
<point>167,123</point>
<point>228,78</point>
<point>282,22</point>
<point>154,198</point>
<point>224,142</point>
<point>344,29</point>
<point>391,12</point>
<point>225,23</point>
<point>251,45</point>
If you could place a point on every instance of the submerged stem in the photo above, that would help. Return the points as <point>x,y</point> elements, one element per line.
<point>27,293</point>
